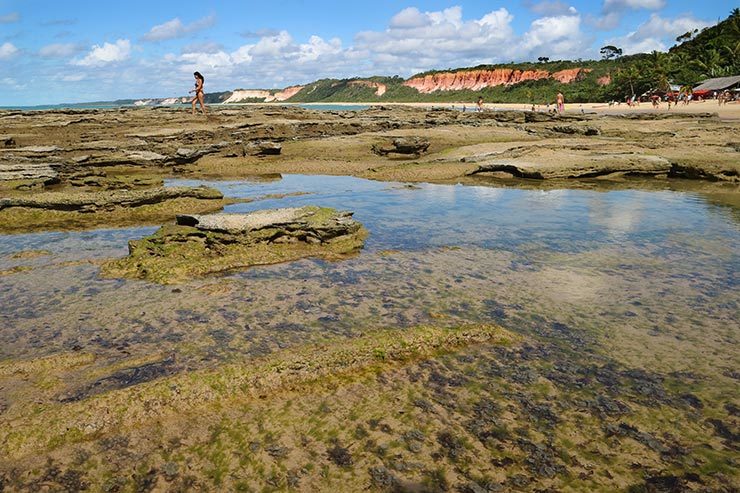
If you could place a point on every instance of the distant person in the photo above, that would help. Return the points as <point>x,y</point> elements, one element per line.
<point>560,100</point>
<point>480,103</point>
<point>199,95</point>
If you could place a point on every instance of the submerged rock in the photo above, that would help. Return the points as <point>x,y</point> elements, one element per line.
<point>199,245</point>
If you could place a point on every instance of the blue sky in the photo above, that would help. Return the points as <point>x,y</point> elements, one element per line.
<point>72,51</point>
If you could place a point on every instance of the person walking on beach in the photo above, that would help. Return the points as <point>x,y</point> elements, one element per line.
<point>199,95</point>
<point>480,103</point>
<point>561,102</point>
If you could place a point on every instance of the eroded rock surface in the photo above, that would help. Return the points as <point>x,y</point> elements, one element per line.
<point>83,209</point>
<point>95,201</point>
<point>403,145</point>
<point>199,245</point>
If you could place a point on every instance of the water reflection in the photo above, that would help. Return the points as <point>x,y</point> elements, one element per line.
<point>576,255</point>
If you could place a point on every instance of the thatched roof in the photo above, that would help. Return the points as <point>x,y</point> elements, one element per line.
<point>718,84</point>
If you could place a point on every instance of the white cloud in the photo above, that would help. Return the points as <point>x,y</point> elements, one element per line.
<point>204,47</point>
<point>551,8</point>
<point>657,33</point>
<point>73,77</point>
<point>612,11</point>
<point>272,58</point>
<point>12,84</point>
<point>7,51</point>
<point>60,50</point>
<point>416,40</point>
<point>409,18</point>
<point>176,29</point>
<point>556,37</point>
<point>615,5</point>
<point>107,53</point>
<point>10,18</point>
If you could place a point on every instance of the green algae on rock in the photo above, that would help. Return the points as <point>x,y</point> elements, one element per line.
<point>96,410</point>
<point>83,210</point>
<point>200,245</point>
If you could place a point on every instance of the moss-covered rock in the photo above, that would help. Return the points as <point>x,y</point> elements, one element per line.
<point>74,210</point>
<point>200,245</point>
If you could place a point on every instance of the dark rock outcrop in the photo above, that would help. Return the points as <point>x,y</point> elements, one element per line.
<point>403,145</point>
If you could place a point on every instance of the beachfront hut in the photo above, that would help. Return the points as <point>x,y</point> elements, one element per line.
<point>717,85</point>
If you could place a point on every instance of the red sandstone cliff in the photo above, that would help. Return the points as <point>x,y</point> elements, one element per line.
<point>478,79</point>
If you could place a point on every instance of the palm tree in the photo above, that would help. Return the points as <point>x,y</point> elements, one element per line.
<point>710,63</point>
<point>658,70</point>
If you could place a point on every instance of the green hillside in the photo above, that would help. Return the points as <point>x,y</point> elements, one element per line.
<point>713,52</point>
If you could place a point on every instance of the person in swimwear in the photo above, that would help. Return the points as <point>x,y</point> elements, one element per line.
<point>199,96</point>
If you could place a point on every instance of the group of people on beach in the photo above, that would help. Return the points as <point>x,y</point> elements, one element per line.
<point>559,104</point>
<point>724,97</point>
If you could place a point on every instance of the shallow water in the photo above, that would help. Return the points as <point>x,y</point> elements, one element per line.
<point>627,303</point>
<point>651,266</point>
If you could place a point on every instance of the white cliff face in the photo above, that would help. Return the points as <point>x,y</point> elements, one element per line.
<point>241,95</point>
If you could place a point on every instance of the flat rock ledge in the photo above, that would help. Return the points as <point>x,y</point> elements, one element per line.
<point>199,245</point>
<point>593,167</point>
<point>106,200</point>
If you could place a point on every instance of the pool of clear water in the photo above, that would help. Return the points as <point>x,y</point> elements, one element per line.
<point>649,265</point>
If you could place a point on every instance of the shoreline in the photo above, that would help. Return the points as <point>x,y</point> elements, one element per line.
<point>730,110</point>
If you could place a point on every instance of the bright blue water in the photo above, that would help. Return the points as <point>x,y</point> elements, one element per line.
<point>335,107</point>
<point>105,106</point>
<point>400,218</point>
<point>631,260</point>
<point>443,215</point>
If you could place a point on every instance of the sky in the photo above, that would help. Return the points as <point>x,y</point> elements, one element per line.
<point>75,51</point>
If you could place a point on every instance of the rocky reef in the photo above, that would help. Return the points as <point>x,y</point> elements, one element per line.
<point>76,209</point>
<point>200,245</point>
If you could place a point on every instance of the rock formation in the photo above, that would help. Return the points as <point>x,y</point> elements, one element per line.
<point>201,245</point>
<point>264,148</point>
<point>403,145</point>
<point>93,201</point>
<point>475,80</point>
<point>72,210</point>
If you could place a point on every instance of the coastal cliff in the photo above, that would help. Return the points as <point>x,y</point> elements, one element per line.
<point>476,80</point>
<point>242,95</point>
<point>380,89</point>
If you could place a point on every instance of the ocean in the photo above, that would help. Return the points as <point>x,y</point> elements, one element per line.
<point>102,106</point>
